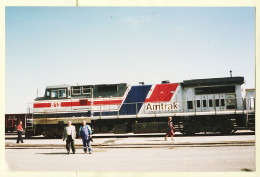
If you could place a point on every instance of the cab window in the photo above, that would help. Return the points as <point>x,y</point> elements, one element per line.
<point>62,93</point>
<point>48,93</point>
<point>54,93</point>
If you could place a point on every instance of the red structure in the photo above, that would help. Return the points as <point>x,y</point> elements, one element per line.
<point>12,120</point>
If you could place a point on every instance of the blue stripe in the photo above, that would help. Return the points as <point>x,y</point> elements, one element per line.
<point>112,113</point>
<point>134,100</point>
<point>68,115</point>
<point>61,115</point>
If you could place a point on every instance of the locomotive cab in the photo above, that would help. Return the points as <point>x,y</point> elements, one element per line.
<point>58,92</point>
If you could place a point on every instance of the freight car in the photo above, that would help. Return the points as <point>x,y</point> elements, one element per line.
<point>199,105</point>
<point>12,120</point>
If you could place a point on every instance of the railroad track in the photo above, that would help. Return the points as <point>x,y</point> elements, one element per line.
<point>111,135</point>
<point>134,145</point>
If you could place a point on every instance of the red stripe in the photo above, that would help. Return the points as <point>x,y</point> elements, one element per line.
<point>41,105</point>
<point>107,102</point>
<point>162,92</point>
<point>77,103</point>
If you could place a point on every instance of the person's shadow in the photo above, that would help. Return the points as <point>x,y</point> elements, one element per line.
<point>55,153</point>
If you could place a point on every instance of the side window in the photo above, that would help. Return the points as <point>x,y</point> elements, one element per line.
<point>76,90</point>
<point>222,102</point>
<point>210,103</point>
<point>204,103</point>
<point>62,93</point>
<point>189,104</point>
<point>54,93</point>
<point>217,102</point>
<point>86,90</point>
<point>198,103</point>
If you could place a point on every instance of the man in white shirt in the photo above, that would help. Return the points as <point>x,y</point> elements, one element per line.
<point>69,134</point>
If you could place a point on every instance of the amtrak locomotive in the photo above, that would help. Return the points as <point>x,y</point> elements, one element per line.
<point>200,105</point>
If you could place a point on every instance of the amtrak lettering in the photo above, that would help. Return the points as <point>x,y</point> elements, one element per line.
<point>162,106</point>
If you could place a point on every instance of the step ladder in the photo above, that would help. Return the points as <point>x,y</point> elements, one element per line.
<point>235,127</point>
<point>29,123</point>
<point>178,127</point>
<point>251,121</point>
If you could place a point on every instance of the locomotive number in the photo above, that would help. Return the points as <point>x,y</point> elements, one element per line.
<point>55,104</point>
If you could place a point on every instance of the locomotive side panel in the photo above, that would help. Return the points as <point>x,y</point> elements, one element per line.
<point>134,100</point>
<point>162,99</point>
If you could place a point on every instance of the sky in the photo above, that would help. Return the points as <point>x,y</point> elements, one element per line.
<point>102,45</point>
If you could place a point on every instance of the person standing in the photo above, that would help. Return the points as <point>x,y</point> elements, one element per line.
<point>169,120</point>
<point>69,134</point>
<point>85,134</point>
<point>170,132</point>
<point>19,132</point>
<point>170,129</point>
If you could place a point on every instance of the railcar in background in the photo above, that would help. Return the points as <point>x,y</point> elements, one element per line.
<point>250,108</point>
<point>199,105</point>
<point>12,120</point>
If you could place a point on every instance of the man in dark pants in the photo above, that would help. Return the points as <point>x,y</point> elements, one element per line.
<point>19,132</point>
<point>69,134</point>
<point>85,133</point>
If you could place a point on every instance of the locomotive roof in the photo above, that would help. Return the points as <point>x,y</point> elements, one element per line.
<point>66,86</point>
<point>58,86</point>
<point>213,81</point>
